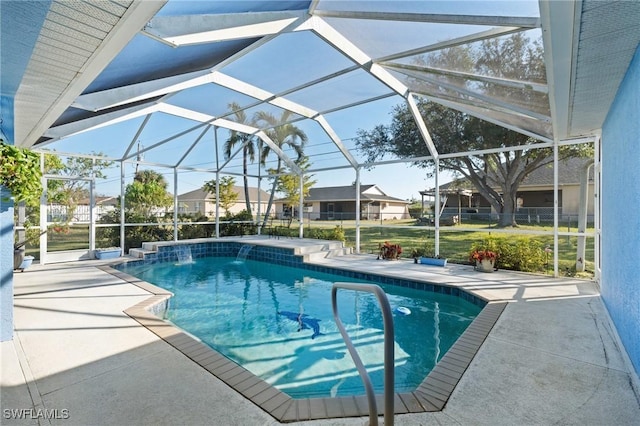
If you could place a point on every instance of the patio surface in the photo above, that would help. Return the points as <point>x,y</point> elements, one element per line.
<point>552,357</point>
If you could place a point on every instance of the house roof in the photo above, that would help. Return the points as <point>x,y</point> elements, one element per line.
<point>569,172</point>
<point>200,194</point>
<point>348,193</point>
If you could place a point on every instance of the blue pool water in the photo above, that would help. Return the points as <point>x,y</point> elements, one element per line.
<point>249,311</point>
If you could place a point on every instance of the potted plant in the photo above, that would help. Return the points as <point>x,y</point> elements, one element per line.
<point>484,259</point>
<point>20,261</point>
<point>389,251</point>
<point>20,172</point>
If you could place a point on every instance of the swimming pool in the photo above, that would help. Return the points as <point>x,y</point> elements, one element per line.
<point>250,312</point>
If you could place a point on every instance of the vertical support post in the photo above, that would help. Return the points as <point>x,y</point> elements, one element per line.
<point>122,207</point>
<point>583,209</point>
<point>92,210</point>
<point>436,243</point>
<point>22,217</point>
<point>215,143</point>
<point>217,204</point>
<point>301,207</point>
<point>258,215</point>
<point>358,210</point>
<point>175,204</point>
<point>555,208</point>
<point>43,215</point>
<point>597,208</point>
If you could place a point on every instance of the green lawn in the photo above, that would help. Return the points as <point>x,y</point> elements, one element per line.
<point>454,246</point>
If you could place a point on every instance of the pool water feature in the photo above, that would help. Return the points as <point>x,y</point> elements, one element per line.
<point>277,322</point>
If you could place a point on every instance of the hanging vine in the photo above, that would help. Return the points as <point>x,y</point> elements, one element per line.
<point>20,172</point>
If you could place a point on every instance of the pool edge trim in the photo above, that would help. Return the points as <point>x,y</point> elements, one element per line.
<point>430,396</point>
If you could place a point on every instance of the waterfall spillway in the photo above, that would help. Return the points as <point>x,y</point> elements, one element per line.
<point>244,251</point>
<point>183,254</point>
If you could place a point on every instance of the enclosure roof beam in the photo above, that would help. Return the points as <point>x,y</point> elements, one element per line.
<point>501,81</point>
<point>486,117</point>
<point>111,98</point>
<point>275,148</point>
<point>422,127</point>
<point>164,141</point>
<point>560,52</point>
<point>137,135</point>
<point>91,123</point>
<point>193,145</point>
<point>520,21</point>
<point>350,50</point>
<point>492,33</point>
<point>263,95</point>
<point>336,140</point>
<point>198,29</point>
<point>505,107</point>
<point>232,156</point>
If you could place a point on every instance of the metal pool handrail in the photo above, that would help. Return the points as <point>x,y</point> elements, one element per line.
<point>389,341</point>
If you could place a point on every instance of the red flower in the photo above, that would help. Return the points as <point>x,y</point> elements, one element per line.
<point>480,255</point>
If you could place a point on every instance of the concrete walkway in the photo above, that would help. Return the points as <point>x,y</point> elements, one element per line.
<point>552,357</point>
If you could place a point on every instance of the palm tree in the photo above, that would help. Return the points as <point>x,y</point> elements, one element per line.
<point>282,135</point>
<point>248,148</point>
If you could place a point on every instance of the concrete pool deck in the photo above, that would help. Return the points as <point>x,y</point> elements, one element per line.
<point>551,358</point>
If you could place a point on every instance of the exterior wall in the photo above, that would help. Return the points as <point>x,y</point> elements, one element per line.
<point>239,206</point>
<point>18,46</point>
<point>373,191</point>
<point>208,207</point>
<point>536,197</point>
<point>312,210</point>
<point>571,199</point>
<point>6,266</point>
<point>620,281</point>
<point>345,210</point>
<point>191,206</point>
<point>341,210</point>
<point>390,211</point>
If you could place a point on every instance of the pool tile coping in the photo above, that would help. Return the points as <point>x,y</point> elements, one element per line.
<point>430,396</point>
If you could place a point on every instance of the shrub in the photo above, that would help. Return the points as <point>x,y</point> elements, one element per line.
<point>517,254</point>
<point>189,231</point>
<point>336,233</point>
<point>426,249</point>
<point>232,229</point>
<point>134,235</point>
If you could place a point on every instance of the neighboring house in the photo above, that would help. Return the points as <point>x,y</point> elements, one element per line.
<point>536,191</point>
<point>338,202</point>
<point>203,202</point>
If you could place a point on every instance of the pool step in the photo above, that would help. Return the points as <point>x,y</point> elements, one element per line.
<point>327,253</point>
<point>139,253</point>
<point>322,246</point>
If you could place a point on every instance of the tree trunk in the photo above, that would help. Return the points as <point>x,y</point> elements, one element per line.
<point>508,213</point>
<point>245,170</point>
<point>273,191</point>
